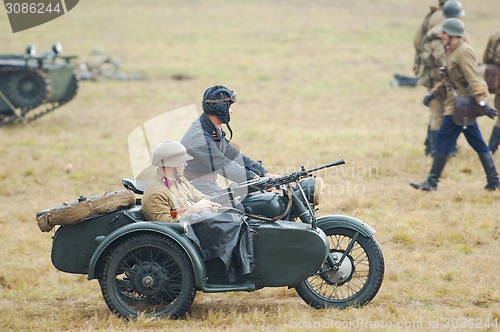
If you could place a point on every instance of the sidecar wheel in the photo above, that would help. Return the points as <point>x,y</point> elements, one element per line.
<point>148,275</point>
<point>358,278</point>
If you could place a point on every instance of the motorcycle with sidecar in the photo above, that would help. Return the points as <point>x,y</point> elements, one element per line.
<point>153,269</point>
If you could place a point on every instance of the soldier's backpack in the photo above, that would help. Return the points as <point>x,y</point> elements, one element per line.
<point>76,212</point>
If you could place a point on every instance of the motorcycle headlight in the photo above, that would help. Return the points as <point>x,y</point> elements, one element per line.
<point>314,188</point>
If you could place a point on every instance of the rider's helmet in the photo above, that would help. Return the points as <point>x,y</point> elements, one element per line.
<point>453,8</point>
<point>453,27</point>
<point>170,154</point>
<point>217,100</point>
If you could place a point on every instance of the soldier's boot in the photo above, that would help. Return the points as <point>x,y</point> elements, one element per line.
<point>454,151</point>
<point>432,141</point>
<point>431,183</point>
<point>428,142</point>
<point>494,139</point>
<point>493,183</point>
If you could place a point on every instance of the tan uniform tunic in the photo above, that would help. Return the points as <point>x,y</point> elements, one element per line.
<point>492,56</point>
<point>463,75</point>
<point>433,52</point>
<point>433,18</point>
<point>159,203</point>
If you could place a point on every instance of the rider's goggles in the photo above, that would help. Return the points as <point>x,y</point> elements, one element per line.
<point>231,98</point>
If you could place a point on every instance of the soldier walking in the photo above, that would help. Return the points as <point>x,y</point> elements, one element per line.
<point>492,57</point>
<point>462,79</point>
<point>433,57</point>
<point>433,18</point>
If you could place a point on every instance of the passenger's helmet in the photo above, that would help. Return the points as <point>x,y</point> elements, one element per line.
<point>170,154</point>
<point>453,8</point>
<point>217,100</point>
<point>453,27</point>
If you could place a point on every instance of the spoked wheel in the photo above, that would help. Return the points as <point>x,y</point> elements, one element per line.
<point>149,275</point>
<point>355,277</point>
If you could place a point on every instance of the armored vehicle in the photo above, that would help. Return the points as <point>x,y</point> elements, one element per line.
<point>32,84</point>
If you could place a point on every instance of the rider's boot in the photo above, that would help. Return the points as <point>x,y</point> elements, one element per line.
<point>494,139</point>
<point>493,183</point>
<point>438,163</point>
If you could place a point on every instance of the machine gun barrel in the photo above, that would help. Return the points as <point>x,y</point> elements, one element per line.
<point>335,163</point>
<point>300,174</point>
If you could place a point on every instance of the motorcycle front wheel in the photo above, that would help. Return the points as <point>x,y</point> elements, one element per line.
<point>355,281</point>
<point>148,275</point>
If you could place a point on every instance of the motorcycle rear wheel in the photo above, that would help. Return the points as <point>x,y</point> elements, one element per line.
<point>148,275</point>
<point>358,279</point>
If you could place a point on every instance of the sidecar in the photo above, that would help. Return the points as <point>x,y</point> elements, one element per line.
<point>153,267</point>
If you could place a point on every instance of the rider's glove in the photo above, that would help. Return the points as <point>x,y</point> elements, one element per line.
<point>488,110</point>
<point>428,98</point>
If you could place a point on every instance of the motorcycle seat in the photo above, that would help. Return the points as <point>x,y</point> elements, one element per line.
<point>134,185</point>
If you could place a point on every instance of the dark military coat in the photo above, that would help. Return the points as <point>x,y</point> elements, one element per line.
<point>214,154</point>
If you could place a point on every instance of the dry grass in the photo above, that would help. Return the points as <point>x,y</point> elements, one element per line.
<point>313,86</point>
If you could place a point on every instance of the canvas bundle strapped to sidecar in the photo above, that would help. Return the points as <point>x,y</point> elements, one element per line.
<point>153,268</point>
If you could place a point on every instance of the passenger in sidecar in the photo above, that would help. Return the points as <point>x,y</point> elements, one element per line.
<point>170,195</point>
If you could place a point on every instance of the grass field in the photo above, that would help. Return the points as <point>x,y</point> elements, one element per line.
<point>312,80</point>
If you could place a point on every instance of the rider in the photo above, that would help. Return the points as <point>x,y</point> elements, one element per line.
<point>170,197</point>
<point>213,153</point>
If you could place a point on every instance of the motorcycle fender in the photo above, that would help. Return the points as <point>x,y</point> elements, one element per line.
<point>151,227</point>
<point>339,220</point>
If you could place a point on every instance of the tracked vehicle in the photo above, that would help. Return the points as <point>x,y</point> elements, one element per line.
<point>32,84</point>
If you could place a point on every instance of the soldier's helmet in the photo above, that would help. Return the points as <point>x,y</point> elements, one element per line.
<point>170,154</point>
<point>453,27</point>
<point>217,100</point>
<point>453,8</point>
